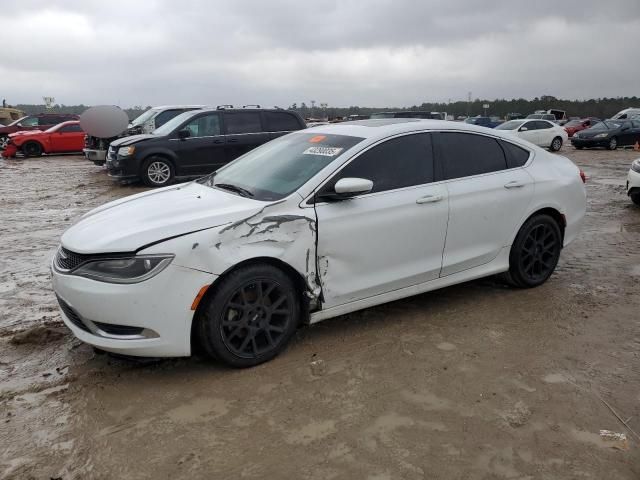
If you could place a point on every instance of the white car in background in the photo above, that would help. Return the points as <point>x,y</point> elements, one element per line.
<point>543,133</point>
<point>633,182</point>
<point>313,225</point>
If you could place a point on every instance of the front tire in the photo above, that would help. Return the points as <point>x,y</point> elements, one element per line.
<point>157,172</point>
<point>251,316</point>
<point>32,149</point>
<point>4,141</point>
<point>556,144</point>
<point>535,252</point>
<point>613,143</point>
<point>635,198</point>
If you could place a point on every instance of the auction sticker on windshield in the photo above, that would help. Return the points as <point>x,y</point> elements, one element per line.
<point>324,151</point>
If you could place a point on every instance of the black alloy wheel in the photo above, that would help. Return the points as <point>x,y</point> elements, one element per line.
<point>251,317</point>
<point>32,149</point>
<point>535,252</point>
<point>613,143</point>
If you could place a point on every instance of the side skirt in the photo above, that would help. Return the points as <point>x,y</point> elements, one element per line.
<point>498,265</point>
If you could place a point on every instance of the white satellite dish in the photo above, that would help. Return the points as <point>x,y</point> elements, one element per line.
<point>104,121</point>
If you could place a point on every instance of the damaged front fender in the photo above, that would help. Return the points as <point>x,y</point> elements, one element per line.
<point>273,232</point>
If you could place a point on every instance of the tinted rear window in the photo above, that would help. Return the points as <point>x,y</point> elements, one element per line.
<point>466,154</point>
<point>281,122</point>
<point>242,122</point>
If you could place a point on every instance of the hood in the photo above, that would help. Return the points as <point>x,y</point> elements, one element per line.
<point>25,132</point>
<point>589,133</point>
<point>127,224</point>
<point>121,142</point>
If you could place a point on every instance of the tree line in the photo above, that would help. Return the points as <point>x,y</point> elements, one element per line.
<point>596,107</point>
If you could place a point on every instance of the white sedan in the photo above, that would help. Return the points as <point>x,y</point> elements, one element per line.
<point>313,225</point>
<point>633,182</point>
<point>543,133</point>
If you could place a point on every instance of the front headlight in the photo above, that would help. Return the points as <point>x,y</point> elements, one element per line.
<point>124,270</point>
<point>601,135</point>
<point>635,166</point>
<point>126,151</point>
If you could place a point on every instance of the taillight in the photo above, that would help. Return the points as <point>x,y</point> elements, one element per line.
<point>583,176</point>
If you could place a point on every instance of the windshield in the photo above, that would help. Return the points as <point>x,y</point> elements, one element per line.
<point>53,129</point>
<point>278,168</point>
<point>510,125</point>
<point>16,122</point>
<point>171,125</point>
<point>139,120</point>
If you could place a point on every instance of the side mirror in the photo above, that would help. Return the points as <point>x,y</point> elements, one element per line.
<point>184,133</point>
<point>347,188</point>
<point>523,129</point>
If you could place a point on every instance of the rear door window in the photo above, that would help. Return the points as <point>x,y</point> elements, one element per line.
<point>400,162</point>
<point>466,154</point>
<point>281,122</point>
<point>242,122</point>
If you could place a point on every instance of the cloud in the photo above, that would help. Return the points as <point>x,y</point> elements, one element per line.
<point>348,52</point>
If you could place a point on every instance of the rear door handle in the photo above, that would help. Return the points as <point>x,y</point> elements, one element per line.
<point>514,184</point>
<point>233,140</point>
<point>217,141</point>
<point>429,199</point>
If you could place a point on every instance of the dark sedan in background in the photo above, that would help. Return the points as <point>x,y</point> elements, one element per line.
<point>577,125</point>
<point>609,134</point>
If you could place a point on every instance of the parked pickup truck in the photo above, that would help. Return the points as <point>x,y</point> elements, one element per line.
<point>489,122</point>
<point>96,148</point>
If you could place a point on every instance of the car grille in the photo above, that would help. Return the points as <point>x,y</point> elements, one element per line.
<point>68,260</point>
<point>72,315</point>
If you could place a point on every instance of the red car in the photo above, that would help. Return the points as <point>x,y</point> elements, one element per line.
<point>41,121</point>
<point>65,137</point>
<point>574,126</point>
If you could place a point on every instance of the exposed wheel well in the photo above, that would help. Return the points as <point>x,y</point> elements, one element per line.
<point>292,273</point>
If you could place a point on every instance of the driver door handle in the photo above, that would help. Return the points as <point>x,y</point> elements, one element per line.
<point>514,184</point>
<point>429,199</point>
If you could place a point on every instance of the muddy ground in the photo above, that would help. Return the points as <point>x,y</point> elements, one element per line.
<point>476,381</point>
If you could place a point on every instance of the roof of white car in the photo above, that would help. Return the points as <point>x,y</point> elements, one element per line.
<point>384,127</point>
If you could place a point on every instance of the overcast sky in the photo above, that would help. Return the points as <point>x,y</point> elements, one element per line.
<point>348,52</point>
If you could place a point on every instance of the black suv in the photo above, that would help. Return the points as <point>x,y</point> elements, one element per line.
<point>41,121</point>
<point>196,143</point>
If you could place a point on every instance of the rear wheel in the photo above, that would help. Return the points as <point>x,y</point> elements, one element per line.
<point>613,143</point>
<point>556,144</point>
<point>157,172</point>
<point>32,149</point>
<point>251,316</point>
<point>635,198</point>
<point>4,141</point>
<point>535,252</point>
